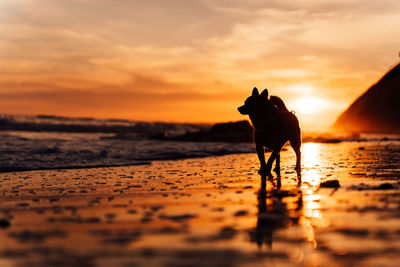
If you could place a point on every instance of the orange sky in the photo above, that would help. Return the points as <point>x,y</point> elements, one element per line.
<point>191,61</point>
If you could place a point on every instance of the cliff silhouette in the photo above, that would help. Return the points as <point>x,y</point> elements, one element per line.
<point>377,110</point>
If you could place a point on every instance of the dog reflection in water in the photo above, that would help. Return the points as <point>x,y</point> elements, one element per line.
<point>273,213</point>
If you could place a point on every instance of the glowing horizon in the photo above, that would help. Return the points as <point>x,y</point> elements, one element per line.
<point>191,61</point>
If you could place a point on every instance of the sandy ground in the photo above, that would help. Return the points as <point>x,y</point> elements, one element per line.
<point>211,211</point>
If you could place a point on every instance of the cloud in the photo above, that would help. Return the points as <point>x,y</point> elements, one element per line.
<point>137,104</point>
<point>190,48</point>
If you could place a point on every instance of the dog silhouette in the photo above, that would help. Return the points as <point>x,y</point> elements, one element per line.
<point>273,125</point>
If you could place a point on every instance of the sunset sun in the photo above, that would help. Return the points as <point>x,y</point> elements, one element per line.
<point>308,105</point>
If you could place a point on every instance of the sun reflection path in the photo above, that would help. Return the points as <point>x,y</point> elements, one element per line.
<point>284,206</point>
<point>311,176</point>
<point>310,163</point>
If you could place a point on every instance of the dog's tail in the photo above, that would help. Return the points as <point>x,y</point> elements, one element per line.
<point>278,102</point>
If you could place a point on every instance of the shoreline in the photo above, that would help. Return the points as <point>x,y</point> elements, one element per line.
<point>212,149</point>
<point>209,211</point>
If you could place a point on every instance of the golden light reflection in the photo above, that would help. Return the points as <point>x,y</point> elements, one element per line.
<point>310,153</point>
<point>310,161</point>
<point>277,203</point>
<point>311,177</point>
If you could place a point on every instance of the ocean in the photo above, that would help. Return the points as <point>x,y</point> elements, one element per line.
<point>51,142</point>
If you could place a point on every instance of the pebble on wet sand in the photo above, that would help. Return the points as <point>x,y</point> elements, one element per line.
<point>385,186</point>
<point>330,184</point>
<point>4,224</point>
<point>240,213</point>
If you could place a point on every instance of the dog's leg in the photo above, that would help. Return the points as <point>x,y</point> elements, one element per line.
<point>277,168</point>
<point>298,161</point>
<point>261,157</point>
<point>271,159</point>
<point>296,143</point>
<point>278,182</point>
<point>298,164</point>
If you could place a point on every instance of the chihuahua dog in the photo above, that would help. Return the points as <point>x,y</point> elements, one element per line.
<point>273,125</point>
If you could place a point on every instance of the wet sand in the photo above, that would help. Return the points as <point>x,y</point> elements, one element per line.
<point>213,211</point>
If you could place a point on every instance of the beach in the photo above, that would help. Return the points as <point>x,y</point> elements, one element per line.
<point>132,133</point>
<point>211,211</point>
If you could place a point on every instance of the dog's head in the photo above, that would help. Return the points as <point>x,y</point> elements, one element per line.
<point>253,102</point>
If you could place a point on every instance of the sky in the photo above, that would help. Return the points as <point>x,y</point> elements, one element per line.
<point>192,60</point>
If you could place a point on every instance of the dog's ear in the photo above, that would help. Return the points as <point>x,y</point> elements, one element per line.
<point>264,93</point>
<point>255,92</point>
